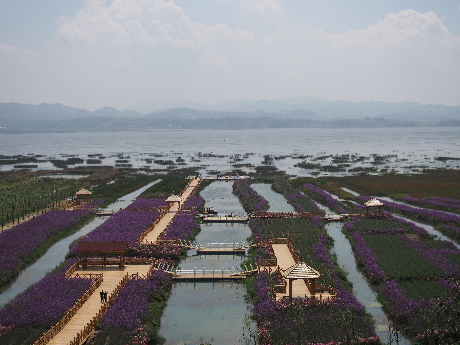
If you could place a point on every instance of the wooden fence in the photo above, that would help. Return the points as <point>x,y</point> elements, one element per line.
<point>45,338</point>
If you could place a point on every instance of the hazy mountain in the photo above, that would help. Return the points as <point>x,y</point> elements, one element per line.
<point>282,113</point>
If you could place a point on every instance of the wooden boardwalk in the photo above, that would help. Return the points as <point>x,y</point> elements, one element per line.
<point>153,235</point>
<point>112,277</point>
<point>225,219</point>
<point>285,260</point>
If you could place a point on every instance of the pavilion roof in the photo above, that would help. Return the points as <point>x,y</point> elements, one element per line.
<point>301,271</point>
<point>373,202</point>
<point>102,246</point>
<point>174,197</point>
<point>83,191</point>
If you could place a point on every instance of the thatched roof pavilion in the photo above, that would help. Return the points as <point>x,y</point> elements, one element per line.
<point>372,204</point>
<point>174,198</point>
<point>302,271</point>
<point>83,193</point>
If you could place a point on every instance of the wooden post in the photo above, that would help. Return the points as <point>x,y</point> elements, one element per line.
<point>290,290</point>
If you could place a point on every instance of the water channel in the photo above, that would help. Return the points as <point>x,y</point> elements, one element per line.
<point>56,253</point>
<point>214,312</point>
<point>345,259</point>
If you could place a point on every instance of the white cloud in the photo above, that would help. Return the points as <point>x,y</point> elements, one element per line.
<point>264,8</point>
<point>13,55</point>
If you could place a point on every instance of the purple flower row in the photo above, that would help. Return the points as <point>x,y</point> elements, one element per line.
<point>144,204</point>
<point>367,259</point>
<point>326,198</point>
<point>44,303</point>
<point>435,256</point>
<point>23,239</point>
<point>401,305</point>
<point>250,199</point>
<point>424,213</point>
<point>439,202</point>
<point>299,200</point>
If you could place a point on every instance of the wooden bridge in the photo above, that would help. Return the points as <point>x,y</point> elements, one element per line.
<point>224,219</point>
<point>216,248</point>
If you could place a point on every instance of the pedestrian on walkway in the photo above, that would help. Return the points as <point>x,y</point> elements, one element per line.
<point>102,296</point>
<point>105,296</point>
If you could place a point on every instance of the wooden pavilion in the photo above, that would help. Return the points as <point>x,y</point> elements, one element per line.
<point>101,253</point>
<point>372,204</point>
<point>172,199</point>
<point>302,271</point>
<point>83,193</point>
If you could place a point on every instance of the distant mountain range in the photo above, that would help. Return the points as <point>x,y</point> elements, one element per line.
<point>284,113</point>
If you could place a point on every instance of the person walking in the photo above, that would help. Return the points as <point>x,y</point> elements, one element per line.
<point>102,296</point>
<point>105,296</point>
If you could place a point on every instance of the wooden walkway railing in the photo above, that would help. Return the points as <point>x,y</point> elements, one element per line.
<point>45,338</point>
<point>86,331</point>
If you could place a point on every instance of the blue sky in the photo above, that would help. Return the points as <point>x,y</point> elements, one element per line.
<point>96,53</point>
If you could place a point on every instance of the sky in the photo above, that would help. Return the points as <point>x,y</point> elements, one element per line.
<point>95,53</point>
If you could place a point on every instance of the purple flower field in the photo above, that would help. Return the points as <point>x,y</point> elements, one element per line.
<point>182,227</point>
<point>123,226</point>
<point>44,303</point>
<point>134,303</point>
<point>300,201</point>
<point>24,239</point>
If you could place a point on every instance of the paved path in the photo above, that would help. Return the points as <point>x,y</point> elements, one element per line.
<point>112,277</point>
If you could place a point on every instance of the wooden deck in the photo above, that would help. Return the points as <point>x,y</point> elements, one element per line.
<point>112,276</point>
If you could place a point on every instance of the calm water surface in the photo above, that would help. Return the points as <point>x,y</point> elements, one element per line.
<point>211,311</point>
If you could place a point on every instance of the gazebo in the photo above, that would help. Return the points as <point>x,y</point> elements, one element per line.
<point>83,193</point>
<point>172,199</point>
<point>374,203</point>
<point>302,271</point>
<point>100,253</point>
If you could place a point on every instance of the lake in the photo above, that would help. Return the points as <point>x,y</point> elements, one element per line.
<point>405,149</point>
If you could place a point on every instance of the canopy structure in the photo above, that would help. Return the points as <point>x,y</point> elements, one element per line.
<point>102,253</point>
<point>372,204</point>
<point>174,198</point>
<point>83,193</point>
<point>302,271</point>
